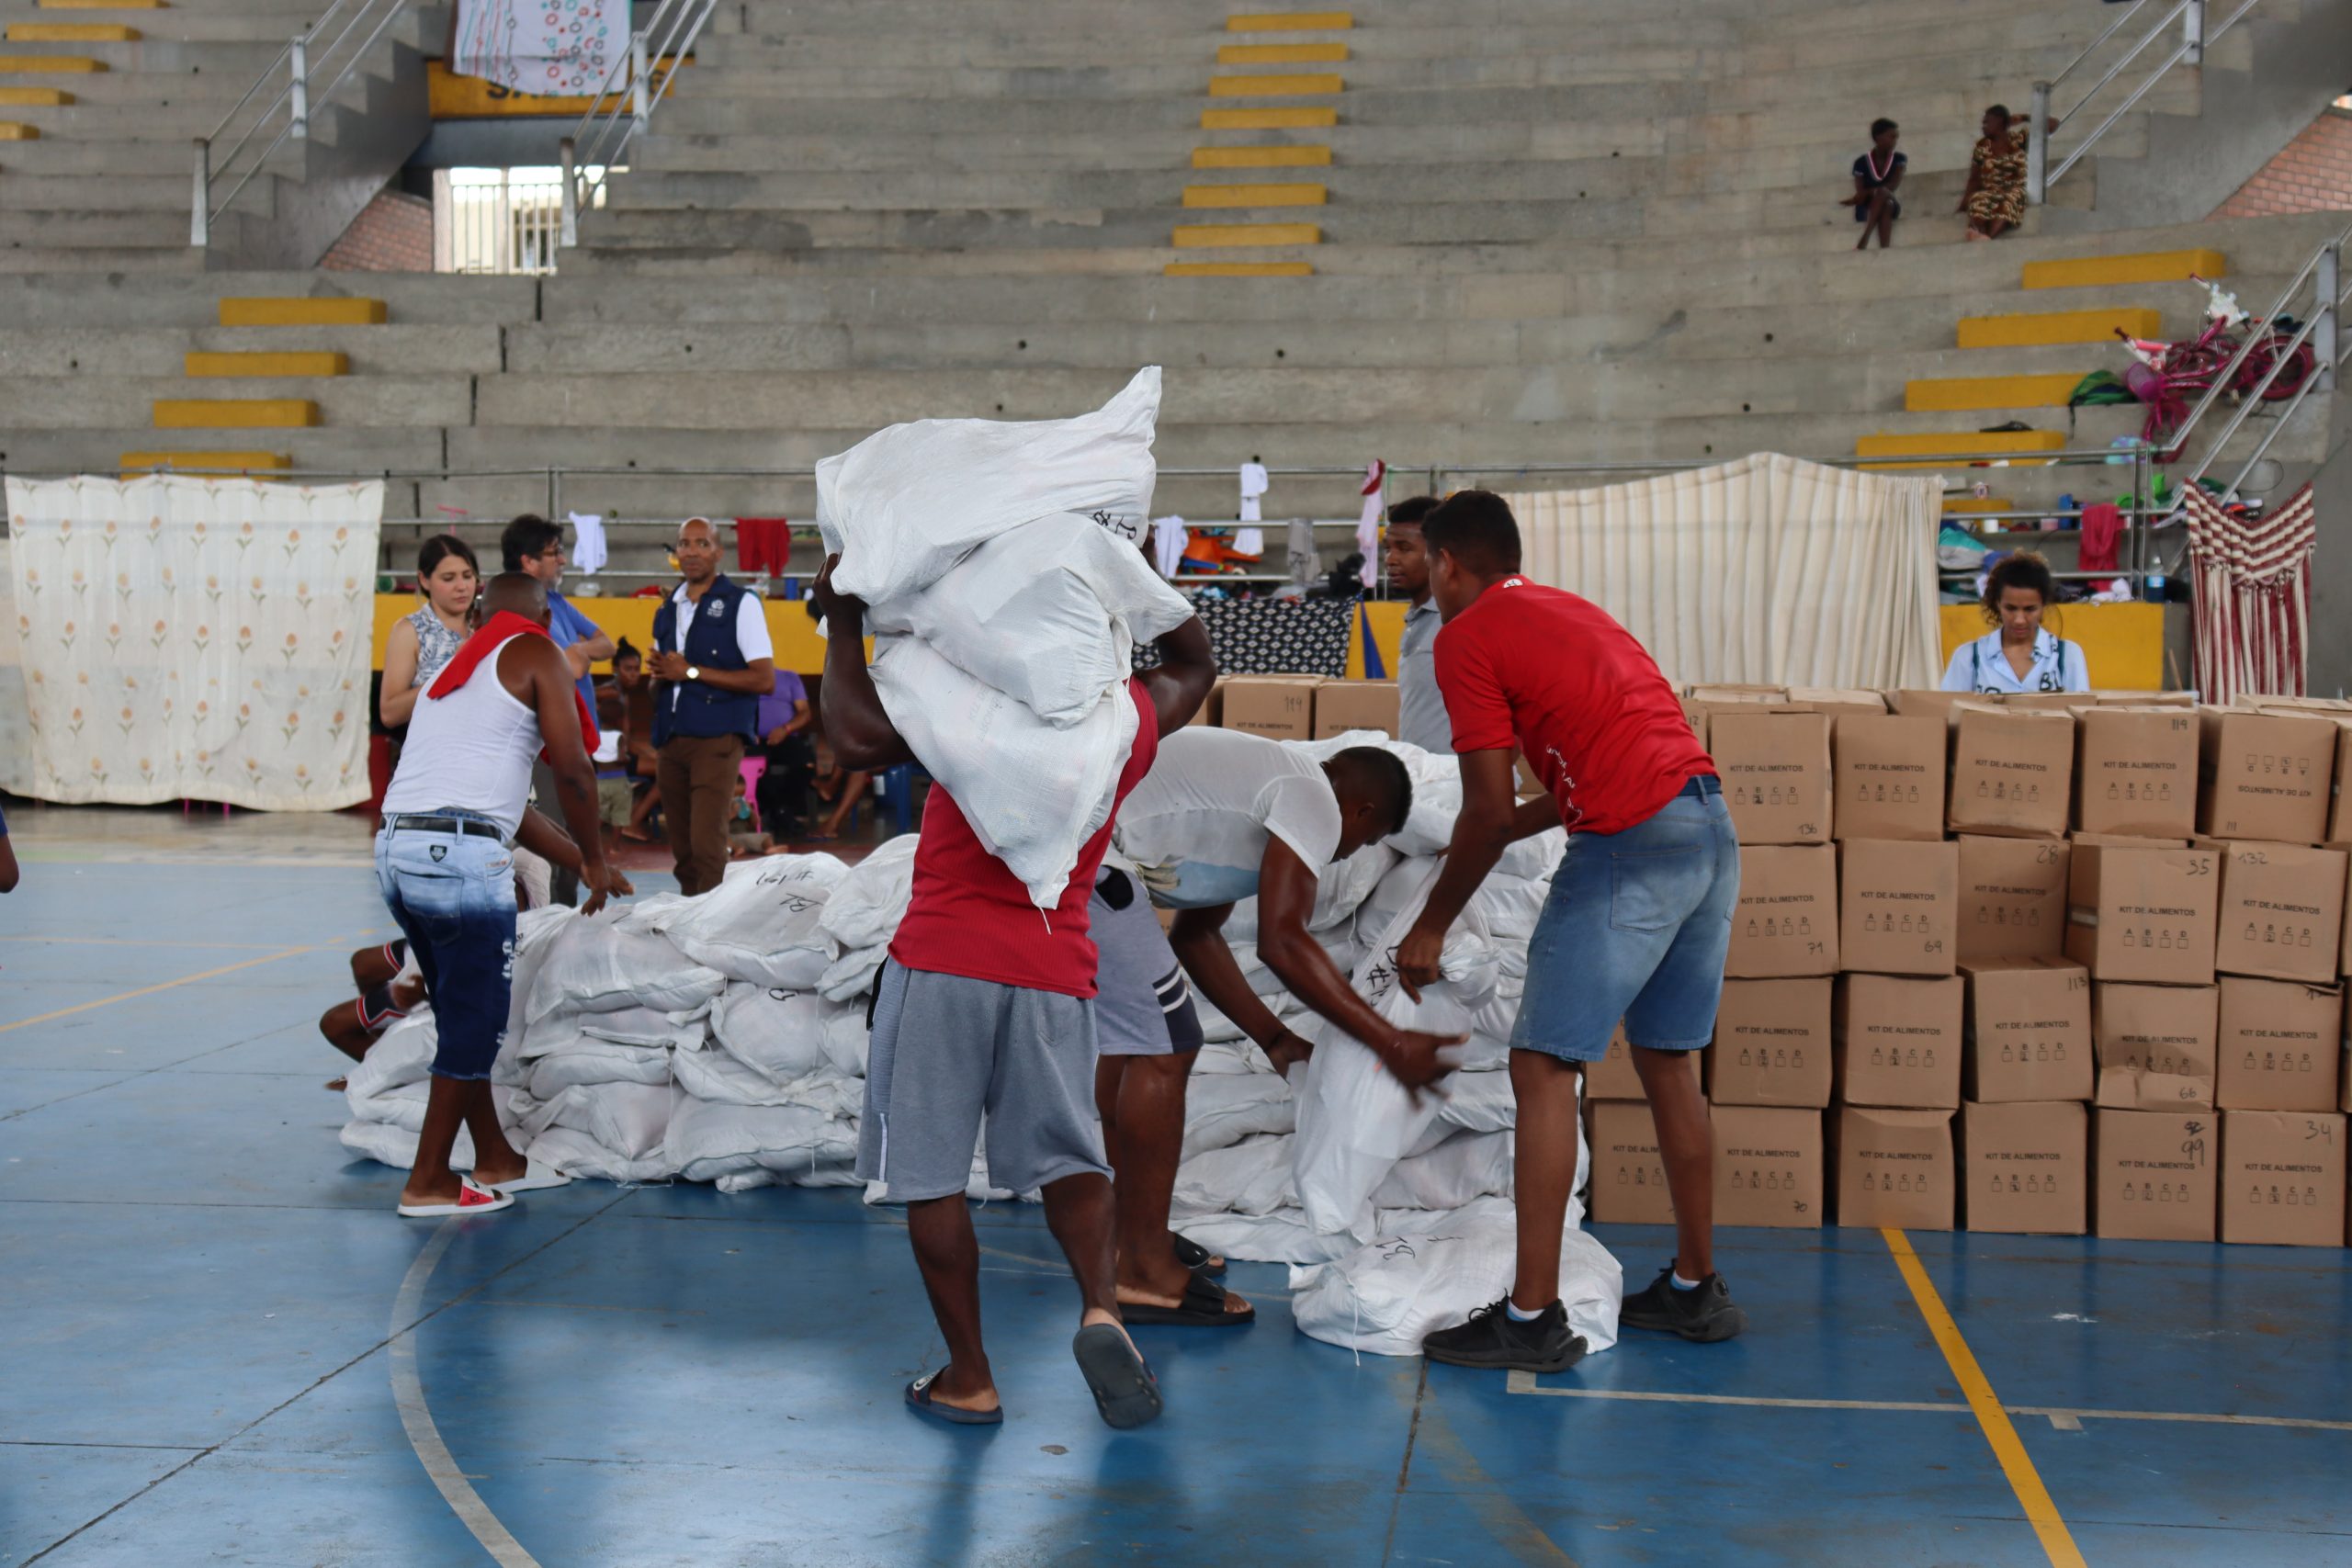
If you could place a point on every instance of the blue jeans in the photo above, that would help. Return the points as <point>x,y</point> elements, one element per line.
<point>453,895</point>
<point>1636,928</point>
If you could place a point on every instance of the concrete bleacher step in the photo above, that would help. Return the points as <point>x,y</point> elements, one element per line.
<point>2105,271</point>
<point>1960,393</point>
<point>2029,329</point>
<point>318,311</point>
<point>234,413</point>
<point>70,32</point>
<point>203,462</point>
<point>264,363</point>
<point>199,351</point>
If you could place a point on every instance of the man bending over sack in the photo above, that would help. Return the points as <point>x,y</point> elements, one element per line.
<point>445,861</point>
<point>1636,925</point>
<point>1223,816</point>
<point>987,1004</point>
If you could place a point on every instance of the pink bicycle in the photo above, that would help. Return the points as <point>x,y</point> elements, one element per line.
<point>2170,375</point>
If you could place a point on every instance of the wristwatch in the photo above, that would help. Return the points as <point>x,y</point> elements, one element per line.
<point>694,672</point>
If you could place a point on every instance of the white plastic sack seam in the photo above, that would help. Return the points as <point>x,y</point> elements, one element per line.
<point>1252,1177</point>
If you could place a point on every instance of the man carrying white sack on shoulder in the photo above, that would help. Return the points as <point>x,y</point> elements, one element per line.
<point>1224,815</point>
<point>986,1007</point>
<point>1636,925</point>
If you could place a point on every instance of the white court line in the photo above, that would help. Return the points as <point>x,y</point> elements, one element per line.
<point>408,1393</point>
<point>2063,1418</point>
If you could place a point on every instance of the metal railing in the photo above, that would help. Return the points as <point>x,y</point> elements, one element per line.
<point>601,139</point>
<point>309,71</point>
<point>2196,37</point>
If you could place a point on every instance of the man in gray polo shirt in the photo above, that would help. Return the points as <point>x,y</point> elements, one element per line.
<point>1422,719</point>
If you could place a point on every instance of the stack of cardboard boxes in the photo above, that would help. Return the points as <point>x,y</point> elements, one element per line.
<point>2037,965</point>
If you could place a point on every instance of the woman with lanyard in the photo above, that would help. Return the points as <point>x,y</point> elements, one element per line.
<point>420,643</point>
<point>2018,655</point>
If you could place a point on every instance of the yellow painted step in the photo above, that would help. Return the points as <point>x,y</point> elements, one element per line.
<point>1301,117</point>
<point>1260,157</point>
<point>14,64</point>
<point>2058,326</point>
<point>71,32</point>
<point>1956,504</point>
<point>1979,443</point>
<point>1290,22</point>
<point>2149,267</point>
<point>318,363</point>
<point>1281,53</point>
<point>1957,393</point>
<point>1301,86</point>
<point>101,4</point>
<point>12,131</point>
<point>35,97</point>
<point>332,310</point>
<point>234,413</point>
<point>1239,269</point>
<point>1193,236</point>
<point>234,462</point>
<point>1254,195</point>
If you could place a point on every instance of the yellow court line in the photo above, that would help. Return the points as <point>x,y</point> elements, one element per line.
<point>151,990</point>
<point>2024,1479</point>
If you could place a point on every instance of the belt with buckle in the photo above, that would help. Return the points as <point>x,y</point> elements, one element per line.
<point>466,825</point>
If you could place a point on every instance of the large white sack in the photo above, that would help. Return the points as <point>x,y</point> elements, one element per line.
<point>1459,1170</point>
<point>1340,888</point>
<point>1222,1109</point>
<point>402,1106</point>
<point>1482,1102</point>
<point>864,908</point>
<point>535,934</point>
<point>1252,1177</point>
<point>1218,1029</point>
<point>641,1027</point>
<point>844,1174</point>
<point>594,966</point>
<point>779,1033</point>
<point>764,923</point>
<point>906,503</point>
<point>1239,1056</point>
<point>1429,827</point>
<point>716,1076</point>
<point>846,1039</point>
<point>648,912</point>
<point>630,1118</point>
<point>577,1155</point>
<point>401,1054</point>
<point>587,1061</point>
<point>1535,859</point>
<point>707,1139</point>
<point>1033,792</point>
<point>1389,1295</point>
<point>396,1147</point>
<point>1283,1237</point>
<point>1511,906</point>
<point>1355,1119</point>
<point>852,975</point>
<point>1049,613</point>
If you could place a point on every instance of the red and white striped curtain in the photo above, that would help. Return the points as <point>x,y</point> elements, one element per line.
<point>2252,593</point>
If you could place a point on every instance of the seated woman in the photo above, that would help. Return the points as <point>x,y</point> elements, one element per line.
<point>1878,173</point>
<point>2017,655</point>
<point>1994,198</point>
<point>636,694</point>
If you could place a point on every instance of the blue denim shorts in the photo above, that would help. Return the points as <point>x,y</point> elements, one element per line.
<point>1636,928</point>
<point>453,895</point>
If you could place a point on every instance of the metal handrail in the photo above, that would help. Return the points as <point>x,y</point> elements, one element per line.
<point>2196,38</point>
<point>309,56</point>
<point>602,138</point>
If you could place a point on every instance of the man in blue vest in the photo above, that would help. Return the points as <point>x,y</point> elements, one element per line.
<point>712,660</point>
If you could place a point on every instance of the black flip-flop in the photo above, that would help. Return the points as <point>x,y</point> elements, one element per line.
<point>1195,1257</point>
<point>920,1401</point>
<point>1203,1307</point>
<point>1125,1392</point>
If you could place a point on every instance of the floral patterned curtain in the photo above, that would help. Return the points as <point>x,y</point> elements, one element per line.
<point>185,638</point>
<point>559,48</point>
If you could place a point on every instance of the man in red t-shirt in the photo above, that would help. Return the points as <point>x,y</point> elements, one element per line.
<point>1636,927</point>
<point>986,1008</point>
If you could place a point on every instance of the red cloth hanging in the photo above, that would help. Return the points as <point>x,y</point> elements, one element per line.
<point>764,544</point>
<point>2102,535</point>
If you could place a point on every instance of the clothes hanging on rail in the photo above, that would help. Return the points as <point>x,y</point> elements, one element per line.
<point>1376,481</point>
<point>763,545</point>
<point>1253,485</point>
<point>1168,537</point>
<point>588,553</point>
<point>554,47</point>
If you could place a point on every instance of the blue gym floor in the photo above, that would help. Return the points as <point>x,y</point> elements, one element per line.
<point>222,1346</point>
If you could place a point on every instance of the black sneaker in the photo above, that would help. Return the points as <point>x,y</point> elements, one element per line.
<point>1493,1339</point>
<point>1705,1315</point>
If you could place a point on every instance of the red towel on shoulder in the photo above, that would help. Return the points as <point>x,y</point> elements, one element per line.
<point>493,635</point>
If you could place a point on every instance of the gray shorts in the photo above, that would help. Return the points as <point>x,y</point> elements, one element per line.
<point>947,1050</point>
<point>1145,1006</point>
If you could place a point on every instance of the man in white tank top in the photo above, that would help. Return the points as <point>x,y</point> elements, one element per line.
<point>445,862</point>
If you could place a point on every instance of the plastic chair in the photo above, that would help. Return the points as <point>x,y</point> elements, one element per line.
<point>753,769</point>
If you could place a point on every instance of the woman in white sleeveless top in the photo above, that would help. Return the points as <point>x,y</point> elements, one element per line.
<point>421,643</point>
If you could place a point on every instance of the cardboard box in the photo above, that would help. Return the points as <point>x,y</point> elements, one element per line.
<point>2012,898</point>
<point>2282,1177</point>
<point>1772,1045</point>
<point>1898,905</point>
<point>1888,776</point>
<point>1343,705</point>
<point>2012,772</point>
<point>1612,1077</point>
<point>2126,699</point>
<point>2135,772</point>
<point>1775,764</point>
<point>2279,1047</point>
<point>2265,776</point>
<point>2028,1031</point>
<point>2144,914</point>
<point>1894,1167</point>
<point>2023,1167</point>
<point>1707,695</point>
<point>2282,912</point>
<point>1281,707</point>
<point>2155,1046</point>
<point>2041,701</point>
<point>2154,1175</point>
<point>1768,1165</point>
<point>1787,921</point>
<point>2339,810</point>
<point>1838,700</point>
<point>1211,709</point>
<point>1897,1041</point>
<point>1930,704</point>
<point>1628,1176</point>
